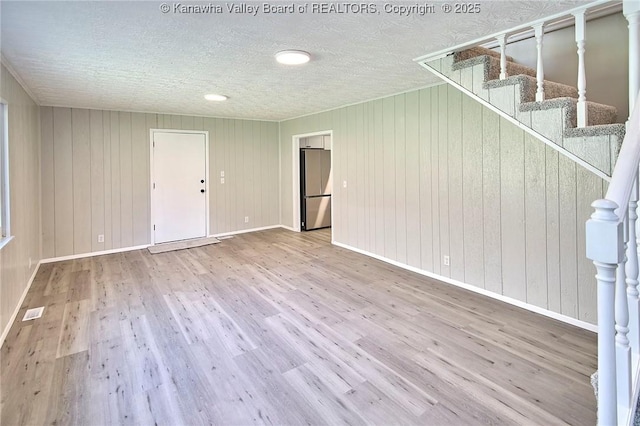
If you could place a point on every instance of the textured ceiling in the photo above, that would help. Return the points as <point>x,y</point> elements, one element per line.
<point>130,56</point>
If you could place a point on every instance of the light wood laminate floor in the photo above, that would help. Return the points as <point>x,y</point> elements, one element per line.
<point>277,327</point>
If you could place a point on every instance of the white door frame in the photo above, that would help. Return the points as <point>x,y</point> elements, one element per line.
<point>296,177</point>
<point>206,174</point>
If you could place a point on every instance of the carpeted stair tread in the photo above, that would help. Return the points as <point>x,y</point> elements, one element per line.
<point>598,114</point>
<point>476,51</point>
<point>528,87</point>
<point>492,67</point>
<point>615,129</point>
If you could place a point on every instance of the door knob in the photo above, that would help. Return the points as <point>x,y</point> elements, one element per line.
<point>202,190</point>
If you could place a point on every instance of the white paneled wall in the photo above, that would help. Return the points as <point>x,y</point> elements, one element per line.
<point>433,173</point>
<point>24,169</point>
<point>95,176</point>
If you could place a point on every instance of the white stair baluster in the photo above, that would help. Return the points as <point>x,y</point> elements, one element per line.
<point>583,115</point>
<point>623,350</point>
<point>502,42</point>
<point>632,278</point>
<point>539,33</point>
<point>603,231</point>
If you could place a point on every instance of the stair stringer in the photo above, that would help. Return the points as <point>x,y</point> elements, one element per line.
<point>483,98</point>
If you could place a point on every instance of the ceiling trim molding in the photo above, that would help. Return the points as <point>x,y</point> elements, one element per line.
<point>439,83</point>
<point>4,61</point>
<point>182,114</point>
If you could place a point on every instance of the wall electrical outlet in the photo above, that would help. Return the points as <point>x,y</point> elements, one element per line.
<point>246,219</point>
<point>30,263</point>
<point>445,260</point>
<point>221,180</point>
<point>344,183</point>
<point>101,238</point>
<point>221,173</point>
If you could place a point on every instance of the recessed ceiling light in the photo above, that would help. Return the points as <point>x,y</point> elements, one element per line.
<point>293,57</point>
<point>217,98</point>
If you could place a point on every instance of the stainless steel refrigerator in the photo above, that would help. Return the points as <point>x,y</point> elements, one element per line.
<point>315,188</point>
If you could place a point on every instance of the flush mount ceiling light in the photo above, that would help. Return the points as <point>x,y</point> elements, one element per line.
<point>217,98</point>
<point>293,57</point>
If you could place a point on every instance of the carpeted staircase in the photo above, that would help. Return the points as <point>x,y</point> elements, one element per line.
<point>478,70</point>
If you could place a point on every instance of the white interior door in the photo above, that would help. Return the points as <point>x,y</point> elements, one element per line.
<point>179,185</point>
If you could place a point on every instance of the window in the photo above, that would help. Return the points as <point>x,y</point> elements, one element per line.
<point>4,173</point>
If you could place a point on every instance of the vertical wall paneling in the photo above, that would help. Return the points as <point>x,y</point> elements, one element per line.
<point>47,181</point>
<point>512,203</point>
<point>378,143</point>
<point>30,137</point>
<point>187,123</point>
<point>81,159</point>
<point>352,175</point>
<point>568,245</point>
<point>265,192</point>
<point>140,175</point>
<point>230,174</point>
<point>360,160</point>
<point>240,187</point>
<point>388,128</point>
<point>455,190</point>
<point>247,172</point>
<point>491,204</point>
<point>443,176</point>
<point>412,147</point>
<point>435,180</point>
<point>217,162</point>
<point>108,188</point>
<point>63,177</point>
<point>271,139</point>
<point>97,179</point>
<point>553,230</point>
<point>257,164</point>
<point>342,150</point>
<point>401,178</point>
<point>369,203</point>
<point>472,211</point>
<point>535,222</point>
<point>371,175</point>
<point>126,180</point>
<point>198,123</point>
<point>100,176</point>
<point>425,175</point>
<point>116,236</point>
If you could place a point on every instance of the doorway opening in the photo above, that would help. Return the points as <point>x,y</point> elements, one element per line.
<point>312,180</point>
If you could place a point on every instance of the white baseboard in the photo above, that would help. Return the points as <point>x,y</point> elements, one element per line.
<point>288,228</point>
<point>5,332</point>
<point>144,246</point>
<point>560,317</point>
<point>93,253</point>
<point>244,231</point>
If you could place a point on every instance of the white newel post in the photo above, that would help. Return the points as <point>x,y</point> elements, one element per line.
<point>632,278</point>
<point>502,42</point>
<point>583,116</point>
<point>539,33</point>
<point>605,248</point>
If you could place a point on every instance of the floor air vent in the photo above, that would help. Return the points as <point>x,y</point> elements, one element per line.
<point>33,313</point>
